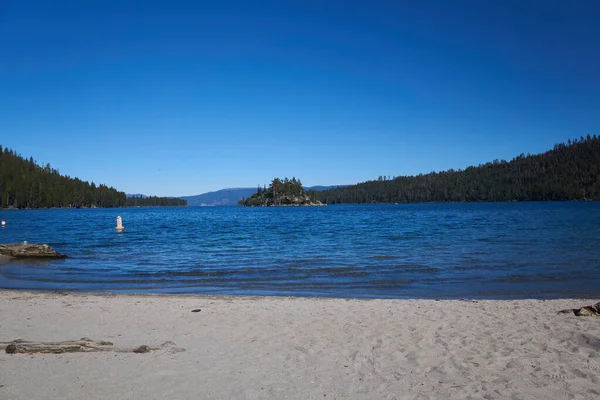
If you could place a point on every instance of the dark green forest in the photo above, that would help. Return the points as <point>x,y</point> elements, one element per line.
<point>282,193</point>
<point>570,171</point>
<point>153,201</point>
<point>25,184</point>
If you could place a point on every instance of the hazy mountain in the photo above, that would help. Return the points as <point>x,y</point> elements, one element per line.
<point>223,197</point>
<point>321,188</point>
<point>138,195</point>
<point>229,197</point>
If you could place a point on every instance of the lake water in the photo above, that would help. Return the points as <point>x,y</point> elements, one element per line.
<point>475,250</point>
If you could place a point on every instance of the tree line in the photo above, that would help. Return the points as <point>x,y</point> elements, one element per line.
<point>25,184</point>
<point>154,201</point>
<point>570,171</point>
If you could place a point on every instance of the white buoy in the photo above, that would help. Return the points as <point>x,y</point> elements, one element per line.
<point>3,223</point>
<point>120,226</point>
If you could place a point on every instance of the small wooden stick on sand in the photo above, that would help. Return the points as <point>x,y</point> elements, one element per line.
<point>83,345</point>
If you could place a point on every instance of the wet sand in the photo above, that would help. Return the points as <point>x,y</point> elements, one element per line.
<point>300,348</point>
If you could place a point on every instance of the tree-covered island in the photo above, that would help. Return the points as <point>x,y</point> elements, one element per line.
<point>287,192</point>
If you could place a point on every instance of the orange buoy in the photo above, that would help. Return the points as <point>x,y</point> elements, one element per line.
<point>120,226</point>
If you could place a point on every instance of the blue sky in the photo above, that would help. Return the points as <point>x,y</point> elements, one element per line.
<point>180,98</point>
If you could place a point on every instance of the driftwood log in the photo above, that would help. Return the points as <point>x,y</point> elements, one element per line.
<point>83,345</point>
<point>588,311</point>
<point>27,250</point>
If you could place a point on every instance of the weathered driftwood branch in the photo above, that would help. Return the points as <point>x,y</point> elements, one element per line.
<point>83,345</point>
<point>27,250</point>
<point>588,311</point>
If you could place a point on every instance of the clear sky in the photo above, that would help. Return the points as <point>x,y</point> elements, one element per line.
<point>180,98</point>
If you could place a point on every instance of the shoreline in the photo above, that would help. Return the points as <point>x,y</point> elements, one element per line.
<point>251,297</point>
<point>299,347</point>
<point>572,295</point>
<point>242,294</point>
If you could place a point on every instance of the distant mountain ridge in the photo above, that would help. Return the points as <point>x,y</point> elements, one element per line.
<point>231,196</point>
<point>223,197</point>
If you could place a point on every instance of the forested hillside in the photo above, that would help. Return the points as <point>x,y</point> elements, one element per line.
<point>153,201</point>
<point>570,171</point>
<point>25,184</point>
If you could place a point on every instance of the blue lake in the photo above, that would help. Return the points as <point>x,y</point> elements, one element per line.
<point>486,250</point>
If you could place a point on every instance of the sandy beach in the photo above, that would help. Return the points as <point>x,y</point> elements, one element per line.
<point>300,348</point>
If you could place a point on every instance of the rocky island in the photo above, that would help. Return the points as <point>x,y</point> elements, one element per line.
<point>287,192</point>
<point>27,250</point>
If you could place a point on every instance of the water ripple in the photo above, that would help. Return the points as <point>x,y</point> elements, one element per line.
<point>425,250</point>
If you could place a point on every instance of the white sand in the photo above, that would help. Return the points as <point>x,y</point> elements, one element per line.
<point>295,348</point>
